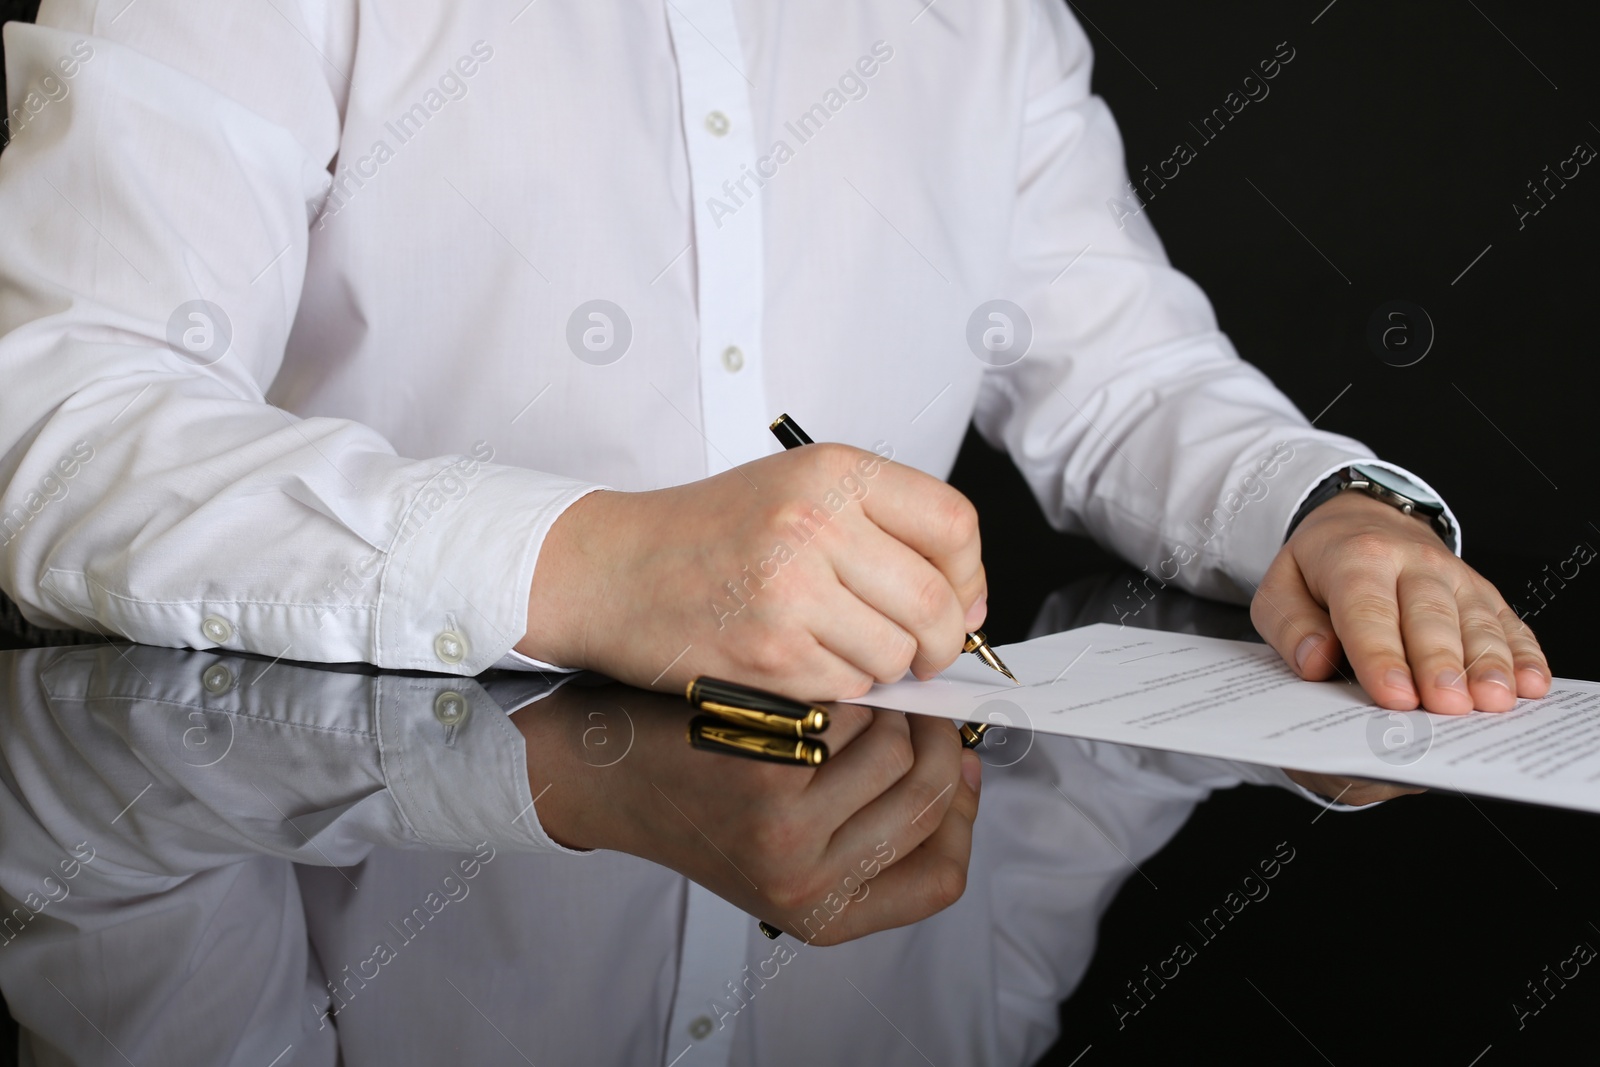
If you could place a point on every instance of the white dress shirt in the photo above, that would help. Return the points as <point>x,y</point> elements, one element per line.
<point>298,325</point>
<point>256,836</point>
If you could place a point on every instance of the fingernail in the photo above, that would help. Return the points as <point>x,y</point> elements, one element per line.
<point>1452,680</point>
<point>1495,677</point>
<point>1302,654</point>
<point>971,770</point>
<point>1401,680</point>
<point>978,612</point>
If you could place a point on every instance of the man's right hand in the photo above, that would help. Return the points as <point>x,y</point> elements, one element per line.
<point>878,836</point>
<point>814,572</point>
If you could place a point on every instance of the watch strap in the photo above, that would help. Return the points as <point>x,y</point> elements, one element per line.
<point>1353,478</point>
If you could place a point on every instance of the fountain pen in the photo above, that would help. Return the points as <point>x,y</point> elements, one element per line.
<point>790,435</point>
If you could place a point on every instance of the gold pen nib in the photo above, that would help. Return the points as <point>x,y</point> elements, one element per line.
<point>978,645</point>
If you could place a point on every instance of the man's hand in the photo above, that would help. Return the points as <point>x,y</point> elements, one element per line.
<point>1357,792</point>
<point>878,836</point>
<point>814,572</point>
<point>1417,625</point>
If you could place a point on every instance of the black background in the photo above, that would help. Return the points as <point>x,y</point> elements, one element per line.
<point>1392,149</point>
<point>1396,141</point>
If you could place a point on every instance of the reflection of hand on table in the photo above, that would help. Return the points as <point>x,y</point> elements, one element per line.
<point>1356,792</point>
<point>885,823</point>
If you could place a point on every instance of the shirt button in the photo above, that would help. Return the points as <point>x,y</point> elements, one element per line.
<point>700,1027</point>
<point>733,359</point>
<point>450,647</point>
<point>217,679</point>
<point>449,707</point>
<point>216,628</point>
<point>718,123</point>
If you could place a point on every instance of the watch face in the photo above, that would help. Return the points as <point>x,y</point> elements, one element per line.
<point>1397,483</point>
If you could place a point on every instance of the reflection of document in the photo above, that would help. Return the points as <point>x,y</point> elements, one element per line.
<point>1237,700</point>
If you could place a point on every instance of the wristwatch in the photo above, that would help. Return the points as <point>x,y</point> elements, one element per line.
<point>1393,489</point>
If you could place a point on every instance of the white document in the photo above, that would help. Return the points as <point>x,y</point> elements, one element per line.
<point>1238,700</point>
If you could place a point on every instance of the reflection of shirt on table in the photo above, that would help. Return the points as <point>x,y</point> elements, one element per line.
<point>258,836</point>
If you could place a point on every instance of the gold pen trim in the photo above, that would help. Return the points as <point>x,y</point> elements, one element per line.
<point>758,709</point>
<point>709,734</point>
<point>978,645</point>
<point>813,722</point>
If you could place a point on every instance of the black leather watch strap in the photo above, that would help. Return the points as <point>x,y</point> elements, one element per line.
<point>1325,491</point>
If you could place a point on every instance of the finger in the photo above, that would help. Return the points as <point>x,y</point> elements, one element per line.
<point>1366,615</point>
<point>1430,625</point>
<point>893,580</point>
<point>808,672</point>
<point>935,521</point>
<point>855,631</point>
<point>896,888</point>
<point>1289,619</point>
<point>846,722</point>
<point>908,811</point>
<point>1487,653</point>
<point>1532,670</point>
<point>861,771</point>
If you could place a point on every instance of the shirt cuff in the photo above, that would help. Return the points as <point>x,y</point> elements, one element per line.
<point>455,592</point>
<point>1392,468</point>
<point>1255,543</point>
<point>516,661</point>
<point>461,783</point>
<point>1261,774</point>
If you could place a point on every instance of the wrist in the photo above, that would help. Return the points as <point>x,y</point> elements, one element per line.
<point>1353,507</point>
<point>562,802</point>
<point>560,607</point>
<point>1389,486</point>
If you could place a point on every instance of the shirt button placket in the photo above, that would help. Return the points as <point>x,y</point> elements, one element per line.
<point>720,147</point>
<point>728,234</point>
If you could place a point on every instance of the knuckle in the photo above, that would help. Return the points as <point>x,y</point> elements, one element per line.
<point>769,655</point>
<point>793,513</point>
<point>1437,654</point>
<point>1434,605</point>
<point>898,757</point>
<point>923,800</point>
<point>788,893</point>
<point>1370,606</point>
<point>1369,549</point>
<point>1517,629</point>
<point>1262,615</point>
<point>858,685</point>
<point>930,600</point>
<point>947,883</point>
<point>833,456</point>
<point>1435,557</point>
<point>1484,630</point>
<point>892,661</point>
<point>958,519</point>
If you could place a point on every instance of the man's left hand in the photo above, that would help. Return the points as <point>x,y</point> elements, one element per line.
<point>1361,581</point>
<point>1356,792</point>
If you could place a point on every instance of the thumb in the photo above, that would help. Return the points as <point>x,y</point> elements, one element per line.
<point>1289,618</point>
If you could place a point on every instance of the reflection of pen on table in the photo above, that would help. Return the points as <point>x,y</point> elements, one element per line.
<point>741,720</point>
